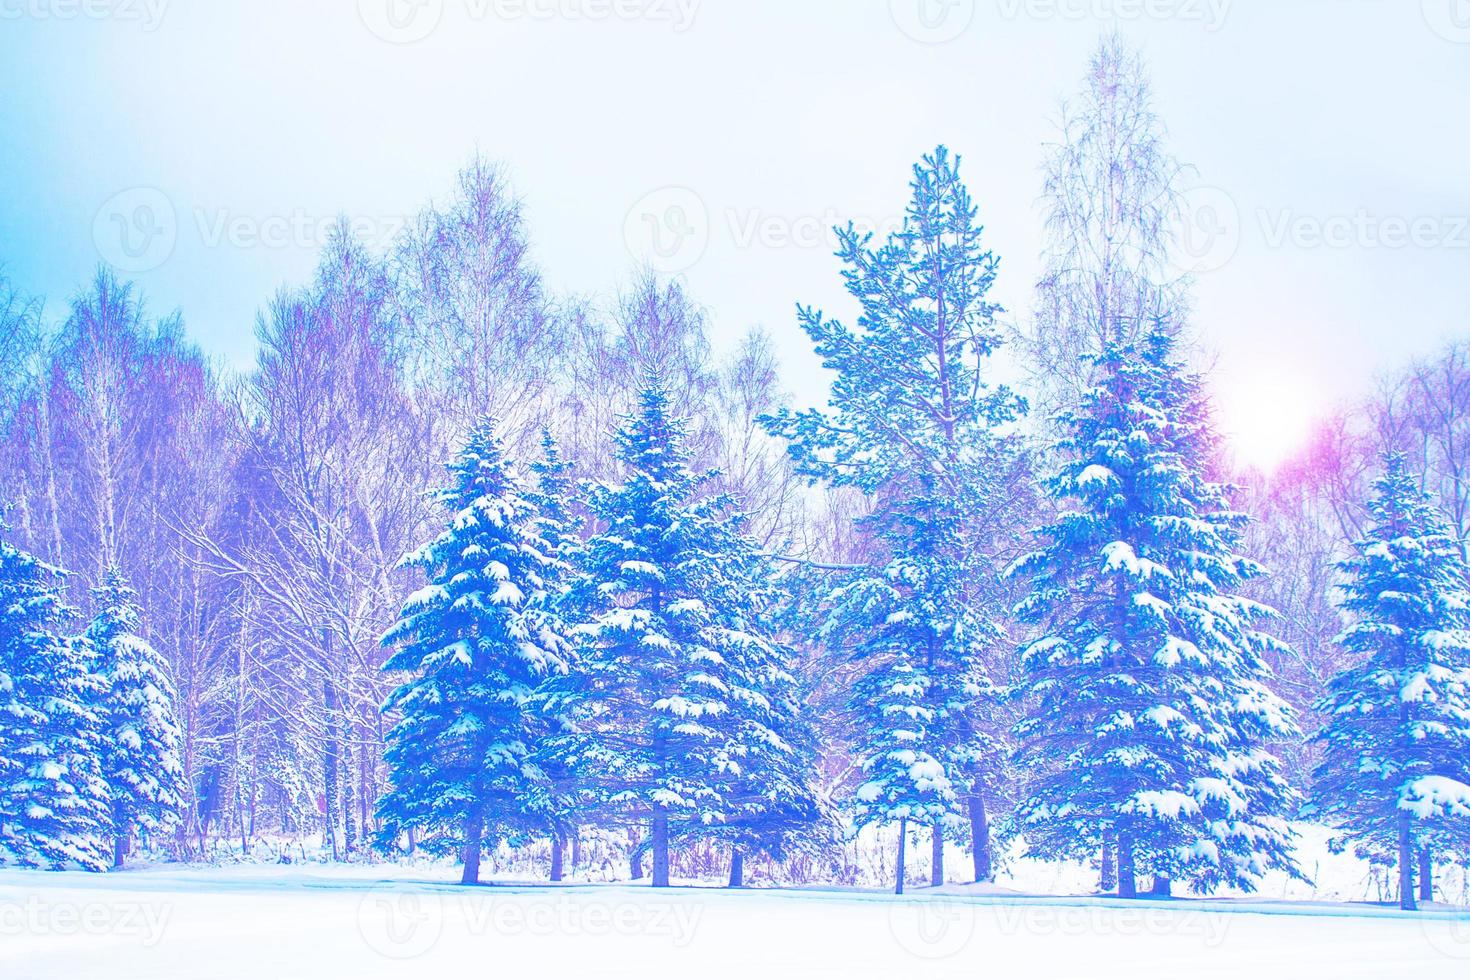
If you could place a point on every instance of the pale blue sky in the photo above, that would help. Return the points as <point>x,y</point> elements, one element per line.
<point>235,130</point>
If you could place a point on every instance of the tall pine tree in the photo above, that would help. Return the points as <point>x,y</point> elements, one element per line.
<point>1396,770</point>
<point>54,807</point>
<point>476,642</point>
<point>914,423</point>
<point>1149,705</point>
<point>140,743</point>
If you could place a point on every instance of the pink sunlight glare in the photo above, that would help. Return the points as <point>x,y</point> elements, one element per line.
<point>1266,414</point>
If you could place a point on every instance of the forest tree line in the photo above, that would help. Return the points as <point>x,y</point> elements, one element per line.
<point>732,627</point>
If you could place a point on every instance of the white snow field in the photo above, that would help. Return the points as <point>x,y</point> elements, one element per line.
<point>362,922</point>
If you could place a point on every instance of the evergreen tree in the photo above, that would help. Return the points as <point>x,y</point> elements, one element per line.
<point>140,746</point>
<point>476,642</point>
<point>914,424</point>
<point>1149,710</point>
<point>1396,770</point>
<point>54,807</point>
<point>770,807</point>
<point>670,713</point>
<point>553,493</point>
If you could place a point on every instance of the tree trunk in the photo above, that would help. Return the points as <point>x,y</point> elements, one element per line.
<point>556,849</point>
<point>903,837</point>
<point>474,829</point>
<point>330,757</point>
<point>1162,887</point>
<point>1426,874</point>
<point>119,850</point>
<point>1406,864</point>
<point>980,837</point>
<point>936,860</point>
<point>1109,867</point>
<point>48,440</point>
<point>635,856</point>
<point>576,849</point>
<point>660,848</point>
<point>365,793</point>
<point>737,868</point>
<point>239,727</point>
<point>1127,883</point>
<point>349,825</point>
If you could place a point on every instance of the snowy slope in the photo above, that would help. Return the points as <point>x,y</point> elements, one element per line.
<point>368,922</point>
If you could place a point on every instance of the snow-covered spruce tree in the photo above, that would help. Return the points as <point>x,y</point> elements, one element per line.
<point>476,642</point>
<point>770,807</point>
<point>140,736</point>
<point>913,423</point>
<point>1149,709</point>
<point>1396,769</point>
<point>553,493</point>
<point>54,809</point>
<point>666,713</point>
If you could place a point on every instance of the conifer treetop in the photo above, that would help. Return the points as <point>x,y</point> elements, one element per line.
<point>910,389</point>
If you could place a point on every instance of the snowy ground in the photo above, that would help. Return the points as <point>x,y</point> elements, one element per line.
<point>363,922</point>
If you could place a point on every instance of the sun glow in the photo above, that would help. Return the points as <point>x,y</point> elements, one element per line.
<point>1266,414</point>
